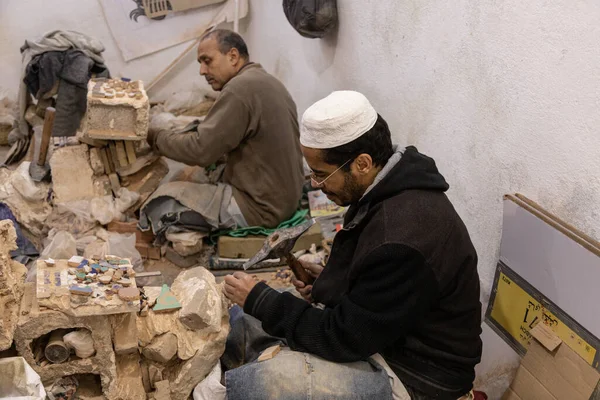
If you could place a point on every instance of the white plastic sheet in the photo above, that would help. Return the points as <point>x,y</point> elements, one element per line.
<point>18,381</point>
<point>211,388</point>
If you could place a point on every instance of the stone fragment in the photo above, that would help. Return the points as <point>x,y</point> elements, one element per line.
<point>75,261</point>
<point>105,279</point>
<point>80,290</point>
<point>155,373</point>
<point>125,282</point>
<point>152,293</point>
<point>125,333</point>
<point>87,269</point>
<point>129,294</point>
<point>80,276</point>
<point>72,174</point>
<point>129,385</point>
<point>163,390</point>
<point>96,161</point>
<point>144,311</point>
<point>50,262</point>
<point>162,349</point>
<point>118,274</point>
<point>166,301</point>
<point>130,272</point>
<point>269,353</point>
<point>12,280</point>
<point>72,271</point>
<point>199,295</point>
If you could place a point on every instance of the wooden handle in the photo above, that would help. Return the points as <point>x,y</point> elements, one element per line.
<point>46,135</point>
<point>298,270</point>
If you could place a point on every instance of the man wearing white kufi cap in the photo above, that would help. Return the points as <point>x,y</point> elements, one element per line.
<point>401,287</point>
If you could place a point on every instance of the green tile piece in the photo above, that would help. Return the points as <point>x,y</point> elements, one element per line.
<point>166,301</point>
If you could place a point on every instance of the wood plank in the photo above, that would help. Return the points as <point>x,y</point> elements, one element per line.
<point>121,154</point>
<point>106,161</point>
<point>130,150</point>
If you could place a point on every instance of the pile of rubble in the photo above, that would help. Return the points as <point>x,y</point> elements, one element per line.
<point>77,314</point>
<point>158,341</point>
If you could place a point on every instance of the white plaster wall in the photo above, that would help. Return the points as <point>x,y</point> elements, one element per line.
<point>29,19</point>
<point>505,95</point>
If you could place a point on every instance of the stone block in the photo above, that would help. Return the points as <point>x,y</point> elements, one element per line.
<point>34,323</point>
<point>247,247</point>
<point>129,385</point>
<point>162,349</point>
<point>199,296</point>
<point>12,280</point>
<point>125,336</point>
<point>163,390</point>
<point>110,117</point>
<point>72,174</point>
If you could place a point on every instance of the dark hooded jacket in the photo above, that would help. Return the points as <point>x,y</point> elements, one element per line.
<point>401,281</point>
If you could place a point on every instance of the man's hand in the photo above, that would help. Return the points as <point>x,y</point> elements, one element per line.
<point>151,138</point>
<point>306,290</point>
<point>238,286</point>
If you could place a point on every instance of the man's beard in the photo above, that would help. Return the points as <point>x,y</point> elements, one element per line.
<point>351,193</point>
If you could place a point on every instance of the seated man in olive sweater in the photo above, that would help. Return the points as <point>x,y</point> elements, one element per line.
<point>400,292</point>
<point>254,123</point>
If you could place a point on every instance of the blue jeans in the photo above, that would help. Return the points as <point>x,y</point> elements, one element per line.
<point>292,375</point>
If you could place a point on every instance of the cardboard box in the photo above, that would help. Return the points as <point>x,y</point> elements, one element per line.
<point>551,370</point>
<point>247,247</point>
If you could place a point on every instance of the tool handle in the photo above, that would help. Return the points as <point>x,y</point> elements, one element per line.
<point>298,270</point>
<point>46,135</point>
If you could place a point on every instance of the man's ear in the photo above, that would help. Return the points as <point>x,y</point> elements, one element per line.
<point>363,164</point>
<point>233,56</point>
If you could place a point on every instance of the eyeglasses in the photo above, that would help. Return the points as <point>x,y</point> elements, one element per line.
<point>316,183</point>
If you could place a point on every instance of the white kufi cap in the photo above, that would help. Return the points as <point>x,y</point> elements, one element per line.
<point>336,120</point>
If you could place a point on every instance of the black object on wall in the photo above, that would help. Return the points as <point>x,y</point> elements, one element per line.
<point>311,18</point>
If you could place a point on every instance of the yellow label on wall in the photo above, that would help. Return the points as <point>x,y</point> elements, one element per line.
<point>517,312</point>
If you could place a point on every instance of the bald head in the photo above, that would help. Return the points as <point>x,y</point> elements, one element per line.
<point>227,40</point>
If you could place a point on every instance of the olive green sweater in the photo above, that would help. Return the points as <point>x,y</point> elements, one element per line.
<point>255,123</point>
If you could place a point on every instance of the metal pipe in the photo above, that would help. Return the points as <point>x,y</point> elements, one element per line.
<point>236,20</point>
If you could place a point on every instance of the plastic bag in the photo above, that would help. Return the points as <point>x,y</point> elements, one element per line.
<point>97,248</point>
<point>83,242</point>
<point>22,182</point>
<point>81,341</point>
<point>311,18</point>
<point>211,387</point>
<point>18,381</point>
<point>74,217</point>
<point>61,247</point>
<point>103,209</point>
<point>169,122</point>
<point>125,199</point>
<point>123,245</point>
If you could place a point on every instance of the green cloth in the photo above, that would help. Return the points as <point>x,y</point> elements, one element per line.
<point>298,218</point>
